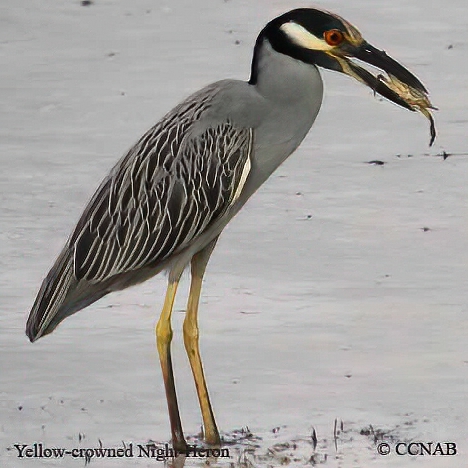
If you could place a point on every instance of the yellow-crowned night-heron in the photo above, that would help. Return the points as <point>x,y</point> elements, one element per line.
<point>167,200</point>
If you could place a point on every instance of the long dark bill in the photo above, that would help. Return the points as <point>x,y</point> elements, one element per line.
<point>399,86</point>
<point>380,59</point>
<point>378,85</point>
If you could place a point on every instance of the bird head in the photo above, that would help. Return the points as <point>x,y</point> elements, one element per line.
<point>324,39</point>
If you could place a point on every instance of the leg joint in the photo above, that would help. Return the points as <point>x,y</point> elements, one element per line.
<point>163,332</point>
<point>191,331</point>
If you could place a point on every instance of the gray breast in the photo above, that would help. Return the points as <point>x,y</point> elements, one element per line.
<point>281,108</point>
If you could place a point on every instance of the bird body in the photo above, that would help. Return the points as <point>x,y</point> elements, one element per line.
<point>164,204</point>
<point>101,254</point>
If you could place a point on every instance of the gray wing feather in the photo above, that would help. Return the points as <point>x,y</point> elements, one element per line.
<point>162,195</point>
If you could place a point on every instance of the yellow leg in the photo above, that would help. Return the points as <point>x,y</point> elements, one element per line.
<point>163,339</point>
<point>199,262</point>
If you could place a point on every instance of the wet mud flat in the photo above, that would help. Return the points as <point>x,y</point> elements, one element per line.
<point>338,294</point>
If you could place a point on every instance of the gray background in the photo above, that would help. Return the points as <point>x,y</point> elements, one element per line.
<point>325,297</point>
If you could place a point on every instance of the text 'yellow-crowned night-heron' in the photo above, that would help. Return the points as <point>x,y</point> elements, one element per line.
<point>167,200</point>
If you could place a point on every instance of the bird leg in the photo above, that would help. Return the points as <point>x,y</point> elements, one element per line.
<point>163,339</point>
<point>198,266</point>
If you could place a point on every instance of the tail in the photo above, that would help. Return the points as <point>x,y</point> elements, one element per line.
<point>60,296</point>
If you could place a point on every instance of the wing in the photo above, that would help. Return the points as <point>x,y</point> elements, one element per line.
<point>168,189</point>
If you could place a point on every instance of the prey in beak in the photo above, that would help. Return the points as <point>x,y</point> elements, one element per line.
<point>399,85</point>
<point>331,42</point>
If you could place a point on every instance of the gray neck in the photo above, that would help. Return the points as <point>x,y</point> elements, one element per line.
<point>280,76</point>
<point>292,93</point>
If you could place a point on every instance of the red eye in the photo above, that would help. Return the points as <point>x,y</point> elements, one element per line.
<point>333,37</point>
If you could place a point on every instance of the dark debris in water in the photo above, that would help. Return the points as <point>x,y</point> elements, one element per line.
<point>279,446</point>
<point>238,436</point>
<point>444,154</point>
<point>291,452</point>
<point>376,434</point>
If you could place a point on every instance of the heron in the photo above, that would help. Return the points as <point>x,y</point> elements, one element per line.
<point>164,204</point>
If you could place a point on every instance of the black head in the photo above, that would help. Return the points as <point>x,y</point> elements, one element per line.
<point>326,40</point>
<point>303,34</point>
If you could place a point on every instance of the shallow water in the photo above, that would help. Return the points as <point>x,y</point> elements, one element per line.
<point>326,298</point>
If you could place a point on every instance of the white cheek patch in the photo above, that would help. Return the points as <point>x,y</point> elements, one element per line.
<point>303,38</point>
